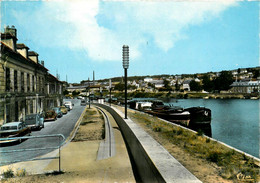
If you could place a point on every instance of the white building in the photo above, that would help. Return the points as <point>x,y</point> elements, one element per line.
<point>148,80</point>
<point>246,87</point>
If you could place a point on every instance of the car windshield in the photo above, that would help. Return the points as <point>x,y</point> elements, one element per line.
<point>9,128</point>
<point>56,109</point>
<point>31,117</point>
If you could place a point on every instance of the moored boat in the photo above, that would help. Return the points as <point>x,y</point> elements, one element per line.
<point>199,115</point>
<point>176,115</point>
<point>170,113</point>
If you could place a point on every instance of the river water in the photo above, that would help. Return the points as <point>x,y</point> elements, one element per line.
<point>234,121</point>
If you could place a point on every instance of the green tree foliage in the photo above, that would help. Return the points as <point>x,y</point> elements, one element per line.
<point>195,86</point>
<point>151,85</point>
<point>224,81</point>
<point>256,73</point>
<point>66,92</point>
<point>75,93</point>
<point>207,84</point>
<point>167,85</point>
<point>119,87</point>
<point>177,86</point>
<point>131,87</point>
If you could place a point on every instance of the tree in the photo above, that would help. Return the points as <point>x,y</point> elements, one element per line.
<point>66,92</point>
<point>256,73</point>
<point>207,84</point>
<point>224,81</point>
<point>195,86</point>
<point>177,86</point>
<point>75,93</point>
<point>167,85</point>
<point>151,85</point>
<point>119,87</point>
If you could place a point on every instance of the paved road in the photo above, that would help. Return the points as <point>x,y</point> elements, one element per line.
<point>62,125</point>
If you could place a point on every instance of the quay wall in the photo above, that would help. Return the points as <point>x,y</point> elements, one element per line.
<point>152,162</point>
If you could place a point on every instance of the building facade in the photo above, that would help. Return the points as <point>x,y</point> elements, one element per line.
<point>23,80</point>
<point>246,87</point>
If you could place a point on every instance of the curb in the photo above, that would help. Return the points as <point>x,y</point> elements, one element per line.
<point>75,129</point>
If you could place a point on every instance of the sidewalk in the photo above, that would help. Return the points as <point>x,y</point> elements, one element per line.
<point>79,160</point>
<point>115,169</point>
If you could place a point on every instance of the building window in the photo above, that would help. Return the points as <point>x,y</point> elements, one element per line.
<point>28,82</point>
<point>31,106</point>
<point>33,83</point>
<point>22,82</point>
<point>15,81</point>
<point>42,85</point>
<point>7,80</point>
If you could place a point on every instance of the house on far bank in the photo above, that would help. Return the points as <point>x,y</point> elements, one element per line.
<point>186,85</point>
<point>245,86</point>
<point>148,80</point>
<point>158,83</point>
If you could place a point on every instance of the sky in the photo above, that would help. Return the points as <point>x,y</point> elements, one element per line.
<point>75,38</point>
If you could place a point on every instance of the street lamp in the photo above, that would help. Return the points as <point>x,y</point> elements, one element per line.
<point>110,88</point>
<point>88,94</point>
<point>125,66</point>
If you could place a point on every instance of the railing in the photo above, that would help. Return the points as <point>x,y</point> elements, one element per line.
<point>60,137</point>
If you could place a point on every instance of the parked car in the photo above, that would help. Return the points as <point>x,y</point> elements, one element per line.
<point>50,115</point>
<point>63,109</point>
<point>58,111</point>
<point>34,121</point>
<point>69,104</point>
<point>83,102</point>
<point>13,129</point>
<point>68,107</point>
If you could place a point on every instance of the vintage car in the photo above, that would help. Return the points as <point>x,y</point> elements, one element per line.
<point>58,111</point>
<point>34,121</point>
<point>63,109</point>
<point>83,102</point>
<point>13,129</point>
<point>69,104</point>
<point>50,115</point>
<point>68,107</point>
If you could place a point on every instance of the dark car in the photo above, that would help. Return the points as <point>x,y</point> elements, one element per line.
<point>50,115</point>
<point>58,111</point>
<point>34,121</point>
<point>83,102</point>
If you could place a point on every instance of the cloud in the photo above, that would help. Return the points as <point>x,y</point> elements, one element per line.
<point>101,28</point>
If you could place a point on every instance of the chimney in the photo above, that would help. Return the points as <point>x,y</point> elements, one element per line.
<point>9,37</point>
<point>42,63</point>
<point>22,49</point>
<point>11,30</point>
<point>33,56</point>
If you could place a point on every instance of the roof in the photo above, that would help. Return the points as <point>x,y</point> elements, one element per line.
<point>12,124</point>
<point>21,46</point>
<point>17,55</point>
<point>52,78</point>
<point>187,81</point>
<point>32,53</point>
<point>7,36</point>
<point>245,84</point>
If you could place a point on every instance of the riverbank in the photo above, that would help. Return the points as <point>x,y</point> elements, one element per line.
<point>186,95</point>
<point>208,160</point>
